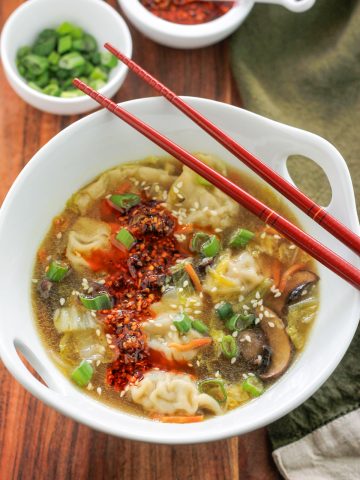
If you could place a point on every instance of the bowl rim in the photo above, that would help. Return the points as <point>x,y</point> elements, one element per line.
<point>135,10</point>
<point>187,436</point>
<point>21,82</point>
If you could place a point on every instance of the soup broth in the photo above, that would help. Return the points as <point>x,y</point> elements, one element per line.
<point>156,293</point>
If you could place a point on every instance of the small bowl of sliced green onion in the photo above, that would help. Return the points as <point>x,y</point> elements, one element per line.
<point>45,44</point>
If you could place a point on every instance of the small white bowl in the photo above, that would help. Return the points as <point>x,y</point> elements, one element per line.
<point>94,16</point>
<point>100,141</point>
<point>196,36</point>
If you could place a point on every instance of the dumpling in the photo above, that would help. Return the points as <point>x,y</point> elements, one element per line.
<point>162,333</point>
<point>85,236</point>
<point>73,318</point>
<point>233,275</point>
<point>167,393</point>
<point>206,206</point>
<point>108,181</point>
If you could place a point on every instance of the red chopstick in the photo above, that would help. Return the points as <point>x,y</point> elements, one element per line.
<point>314,248</point>
<point>312,209</point>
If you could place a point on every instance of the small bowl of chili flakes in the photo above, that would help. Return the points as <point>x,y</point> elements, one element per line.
<point>186,23</point>
<point>194,23</point>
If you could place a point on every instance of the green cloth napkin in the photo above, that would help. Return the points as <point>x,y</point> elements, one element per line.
<point>304,70</point>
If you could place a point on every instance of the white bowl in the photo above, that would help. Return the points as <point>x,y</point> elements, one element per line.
<point>27,21</point>
<point>196,36</point>
<point>100,141</point>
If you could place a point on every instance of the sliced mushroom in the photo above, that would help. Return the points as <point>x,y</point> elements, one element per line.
<point>251,344</point>
<point>296,285</point>
<point>279,342</point>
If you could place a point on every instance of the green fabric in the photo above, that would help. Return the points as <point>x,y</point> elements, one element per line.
<point>304,70</point>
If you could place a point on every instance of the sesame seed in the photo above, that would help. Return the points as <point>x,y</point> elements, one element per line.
<point>257,321</point>
<point>173,306</point>
<point>196,205</point>
<point>62,301</point>
<point>34,280</point>
<point>271,324</point>
<point>186,283</point>
<point>257,295</point>
<point>180,184</point>
<point>304,292</point>
<point>198,363</point>
<point>157,188</point>
<point>235,334</point>
<point>233,360</point>
<point>245,376</point>
<point>90,386</point>
<point>101,281</point>
<point>277,295</point>
<point>122,394</point>
<point>218,230</point>
<point>245,307</point>
<point>261,316</point>
<point>99,390</point>
<point>292,247</point>
<point>98,362</point>
<point>248,338</point>
<point>59,235</point>
<point>251,374</point>
<point>217,374</point>
<point>277,237</point>
<point>263,235</point>
<point>214,289</point>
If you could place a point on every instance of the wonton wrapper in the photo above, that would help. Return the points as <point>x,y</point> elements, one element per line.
<point>85,236</point>
<point>220,209</point>
<point>160,335</point>
<point>167,393</point>
<point>233,275</point>
<point>160,171</point>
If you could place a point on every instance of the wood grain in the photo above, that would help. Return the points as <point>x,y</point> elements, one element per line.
<point>35,441</point>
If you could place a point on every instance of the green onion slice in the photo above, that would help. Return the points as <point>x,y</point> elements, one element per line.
<point>241,238</point>
<point>229,347</point>
<point>214,387</point>
<point>202,181</point>
<point>211,247</point>
<point>125,238</point>
<point>57,271</point>
<point>83,374</point>
<point>254,386</point>
<point>224,310</point>
<point>100,302</point>
<point>125,200</point>
<point>240,321</point>
<point>198,241</point>
<point>199,326</point>
<point>182,323</point>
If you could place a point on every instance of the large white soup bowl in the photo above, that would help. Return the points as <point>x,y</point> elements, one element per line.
<point>100,141</point>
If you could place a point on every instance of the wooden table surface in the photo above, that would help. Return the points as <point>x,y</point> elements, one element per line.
<point>35,441</point>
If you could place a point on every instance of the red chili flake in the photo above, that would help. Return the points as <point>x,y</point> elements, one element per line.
<point>188,12</point>
<point>135,279</point>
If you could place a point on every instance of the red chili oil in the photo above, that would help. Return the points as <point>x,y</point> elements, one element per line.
<point>134,281</point>
<point>187,12</point>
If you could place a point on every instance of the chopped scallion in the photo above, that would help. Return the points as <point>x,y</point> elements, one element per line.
<point>125,200</point>
<point>241,238</point>
<point>240,321</point>
<point>211,247</point>
<point>100,302</point>
<point>182,323</point>
<point>254,386</point>
<point>82,374</point>
<point>229,347</point>
<point>57,271</point>
<point>125,238</point>
<point>199,326</point>
<point>215,388</point>
<point>202,181</point>
<point>224,310</point>
<point>198,241</point>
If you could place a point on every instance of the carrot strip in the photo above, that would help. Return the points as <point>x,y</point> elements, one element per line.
<point>271,230</point>
<point>179,419</point>
<point>290,271</point>
<point>194,277</point>
<point>196,343</point>
<point>184,229</point>
<point>276,270</point>
<point>124,187</point>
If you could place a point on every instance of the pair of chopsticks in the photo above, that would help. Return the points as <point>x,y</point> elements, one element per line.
<point>307,243</point>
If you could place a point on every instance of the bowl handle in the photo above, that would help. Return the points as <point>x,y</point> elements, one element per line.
<point>293,5</point>
<point>342,204</point>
